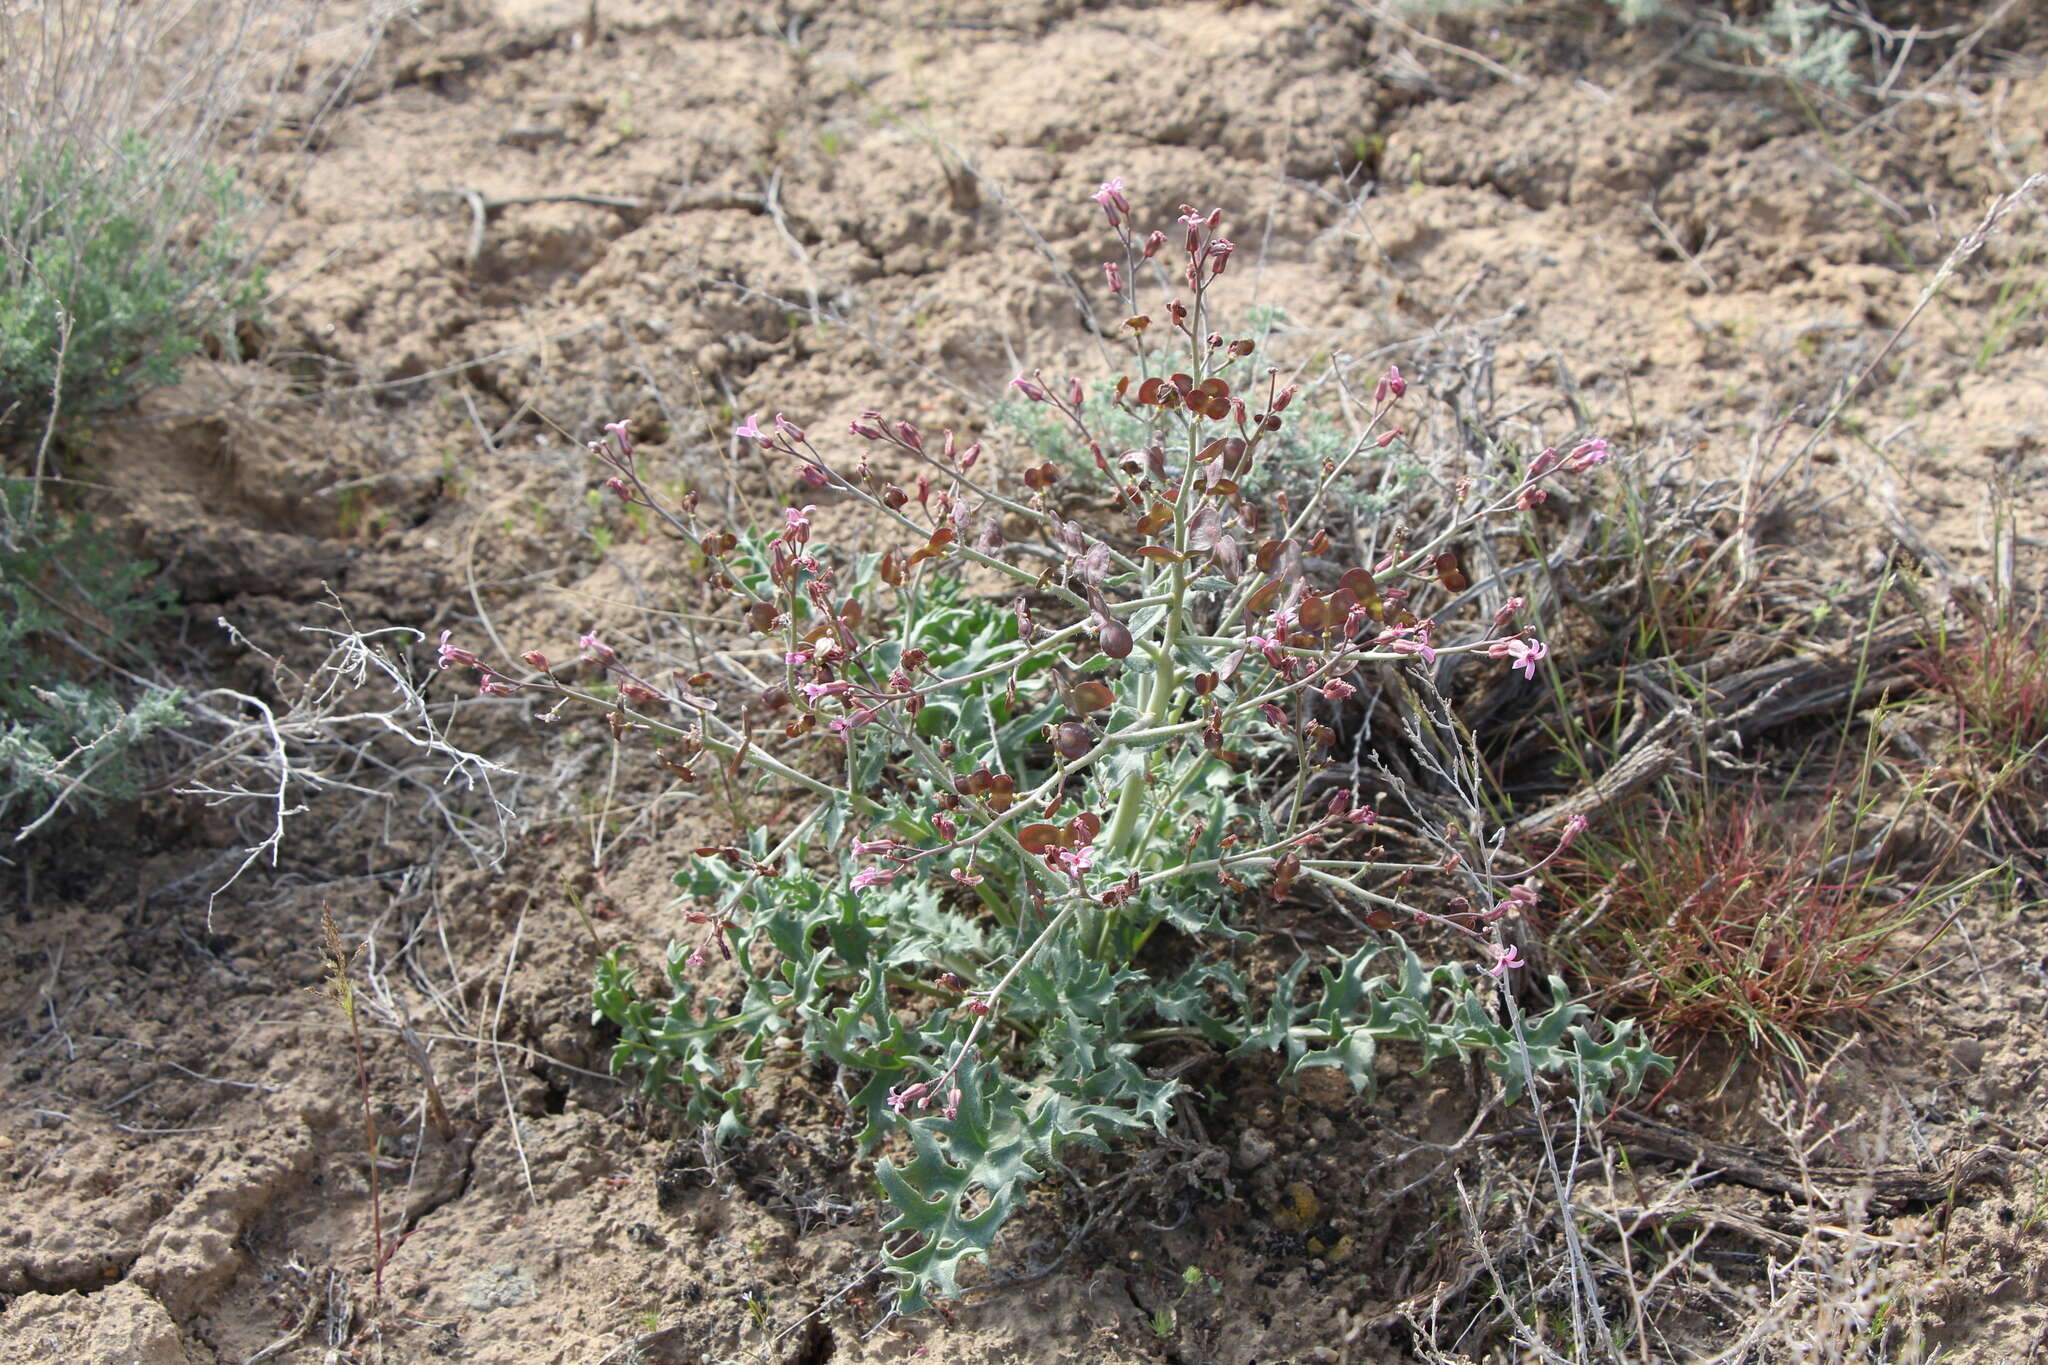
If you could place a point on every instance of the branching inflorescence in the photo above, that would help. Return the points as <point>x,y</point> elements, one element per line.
<point>1029,780</point>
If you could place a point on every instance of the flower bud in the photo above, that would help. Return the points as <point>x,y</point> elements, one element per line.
<point>1115,275</point>
<point>1153,242</point>
<point>1028,389</point>
<point>910,435</point>
<point>536,660</point>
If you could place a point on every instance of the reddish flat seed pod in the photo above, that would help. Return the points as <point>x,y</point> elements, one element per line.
<point>1039,838</point>
<point>1092,696</point>
<point>1073,740</point>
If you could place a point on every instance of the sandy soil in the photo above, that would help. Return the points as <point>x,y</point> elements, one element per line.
<point>818,208</point>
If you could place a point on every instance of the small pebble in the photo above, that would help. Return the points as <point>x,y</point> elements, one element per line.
<point>1253,1149</point>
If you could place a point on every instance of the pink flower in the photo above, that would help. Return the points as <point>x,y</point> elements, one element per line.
<point>1219,255</point>
<point>840,725</point>
<point>1522,655</point>
<point>866,848</point>
<point>596,650</point>
<point>1587,455</point>
<point>875,876</point>
<point>1573,828</point>
<point>813,691</point>
<point>1420,648</point>
<point>1505,959</point>
<point>623,434</point>
<point>1519,898</point>
<point>902,1098</point>
<point>452,655</point>
<point>1111,197</point>
<point>750,430</point>
<point>797,524</point>
<point>1391,385</point>
<point>1507,611</point>
<point>1268,646</point>
<point>1336,689</point>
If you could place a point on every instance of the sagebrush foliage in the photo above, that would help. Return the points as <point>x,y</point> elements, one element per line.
<point>62,724</point>
<point>114,267</point>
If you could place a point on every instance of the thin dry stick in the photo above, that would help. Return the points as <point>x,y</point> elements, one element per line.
<point>35,487</point>
<point>497,1056</point>
<point>1479,59</point>
<point>1971,243</point>
<point>341,990</point>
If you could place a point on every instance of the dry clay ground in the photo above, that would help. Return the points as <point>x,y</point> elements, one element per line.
<point>821,208</point>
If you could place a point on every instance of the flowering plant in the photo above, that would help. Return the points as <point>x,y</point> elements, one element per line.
<point>1041,818</point>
